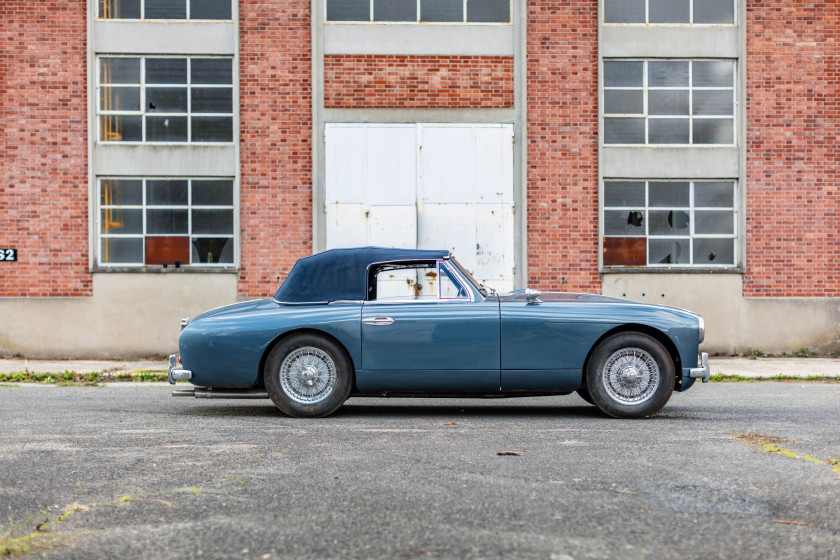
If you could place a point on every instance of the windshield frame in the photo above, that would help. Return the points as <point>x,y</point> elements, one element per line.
<point>469,277</point>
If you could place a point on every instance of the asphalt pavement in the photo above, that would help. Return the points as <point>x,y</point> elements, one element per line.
<point>726,470</point>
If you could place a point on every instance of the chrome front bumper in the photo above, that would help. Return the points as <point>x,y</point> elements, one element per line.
<point>704,371</point>
<point>175,373</point>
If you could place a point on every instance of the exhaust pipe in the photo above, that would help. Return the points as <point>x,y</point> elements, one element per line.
<point>209,393</point>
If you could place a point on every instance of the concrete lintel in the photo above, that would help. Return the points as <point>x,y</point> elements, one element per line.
<point>684,163</point>
<point>628,41</point>
<point>420,115</point>
<point>418,39</point>
<point>165,37</point>
<point>165,160</point>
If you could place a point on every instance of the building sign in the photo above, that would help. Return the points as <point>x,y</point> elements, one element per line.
<point>8,254</point>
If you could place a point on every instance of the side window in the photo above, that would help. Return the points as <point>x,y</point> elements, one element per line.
<point>425,281</point>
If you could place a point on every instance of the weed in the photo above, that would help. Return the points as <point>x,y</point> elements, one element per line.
<point>721,377</point>
<point>804,351</point>
<point>753,353</point>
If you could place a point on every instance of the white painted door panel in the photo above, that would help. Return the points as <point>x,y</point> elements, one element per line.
<point>427,186</point>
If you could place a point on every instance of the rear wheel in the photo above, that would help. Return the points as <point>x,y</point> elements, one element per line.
<point>308,375</point>
<point>630,375</point>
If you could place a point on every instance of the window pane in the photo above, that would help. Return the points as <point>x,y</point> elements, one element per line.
<point>714,194</point>
<point>210,9</point>
<point>166,9</point>
<point>720,222</point>
<point>714,102</point>
<point>120,128</point>
<point>714,11</point>
<point>119,70</point>
<point>624,73</point>
<point>166,129</point>
<point>165,192</point>
<point>168,250</point>
<point>121,251</point>
<point>624,11</point>
<point>669,194</point>
<point>668,131</point>
<point>617,101</point>
<point>212,250</point>
<point>211,100</point>
<point>669,251</point>
<point>166,221</point>
<point>119,99</point>
<point>625,251</point>
<point>119,9</point>
<point>663,73</point>
<point>166,70</point>
<point>668,102</point>
<point>713,131</point>
<point>441,10</point>
<point>121,221</point>
<point>166,100</point>
<point>488,11</point>
<point>714,251</point>
<point>395,10</point>
<point>624,222</point>
<point>348,10</point>
<point>669,11</point>
<point>211,71</point>
<point>624,193</point>
<point>212,221</point>
<point>121,192</point>
<point>206,192</point>
<point>212,129</point>
<point>669,222</point>
<point>624,131</point>
<point>713,73</point>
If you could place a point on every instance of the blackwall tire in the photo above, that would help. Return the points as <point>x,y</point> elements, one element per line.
<point>308,375</point>
<point>583,393</point>
<point>630,375</point>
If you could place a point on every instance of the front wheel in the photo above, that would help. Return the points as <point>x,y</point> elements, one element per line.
<point>308,375</point>
<point>630,375</point>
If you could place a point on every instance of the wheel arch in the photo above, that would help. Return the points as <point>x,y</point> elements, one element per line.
<point>654,333</point>
<point>306,330</point>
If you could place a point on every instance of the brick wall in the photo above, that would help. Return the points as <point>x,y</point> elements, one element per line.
<point>563,145</point>
<point>43,148</point>
<point>275,135</point>
<point>379,81</point>
<point>793,127</point>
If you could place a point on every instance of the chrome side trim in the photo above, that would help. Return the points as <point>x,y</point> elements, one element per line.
<point>703,372</point>
<point>378,321</point>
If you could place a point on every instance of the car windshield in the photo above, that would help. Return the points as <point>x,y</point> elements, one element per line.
<point>470,278</point>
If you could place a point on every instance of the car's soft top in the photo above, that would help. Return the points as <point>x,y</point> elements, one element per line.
<point>341,274</point>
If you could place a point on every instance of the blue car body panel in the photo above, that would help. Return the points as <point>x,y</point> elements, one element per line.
<point>508,344</point>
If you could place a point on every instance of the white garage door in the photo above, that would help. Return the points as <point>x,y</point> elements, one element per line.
<point>425,186</point>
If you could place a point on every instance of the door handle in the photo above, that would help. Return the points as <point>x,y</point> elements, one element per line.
<point>379,321</point>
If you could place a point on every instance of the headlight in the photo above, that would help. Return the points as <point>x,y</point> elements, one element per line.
<point>701,330</point>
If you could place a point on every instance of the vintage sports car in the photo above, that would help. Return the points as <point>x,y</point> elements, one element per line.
<point>396,322</point>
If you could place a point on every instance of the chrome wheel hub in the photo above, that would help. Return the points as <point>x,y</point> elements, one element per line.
<point>308,375</point>
<point>630,376</point>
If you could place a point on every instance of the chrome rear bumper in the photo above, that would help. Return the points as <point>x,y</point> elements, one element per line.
<point>175,373</point>
<point>704,371</point>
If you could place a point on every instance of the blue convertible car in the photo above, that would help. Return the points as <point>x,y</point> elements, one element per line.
<point>396,322</point>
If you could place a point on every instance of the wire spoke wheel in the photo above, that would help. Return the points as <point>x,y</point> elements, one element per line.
<point>308,375</point>
<point>630,376</point>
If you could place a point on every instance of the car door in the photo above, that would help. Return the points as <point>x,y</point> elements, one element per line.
<point>437,337</point>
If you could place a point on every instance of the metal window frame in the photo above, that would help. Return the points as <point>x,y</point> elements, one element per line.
<point>690,22</point>
<point>143,114</point>
<point>417,20</point>
<point>691,209</point>
<point>144,18</point>
<point>144,206</point>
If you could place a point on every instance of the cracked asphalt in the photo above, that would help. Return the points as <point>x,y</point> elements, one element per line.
<point>144,475</point>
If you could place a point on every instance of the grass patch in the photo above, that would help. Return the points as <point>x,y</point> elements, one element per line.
<point>18,541</point>
<point>770,444</point>
<point>721,377</point>
<point>75,379</point>
<point>9,385</point>
<point>730,378</point>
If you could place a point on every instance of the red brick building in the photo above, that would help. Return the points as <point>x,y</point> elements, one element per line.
<point>163,157</point>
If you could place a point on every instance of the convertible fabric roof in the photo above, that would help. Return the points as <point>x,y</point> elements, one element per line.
<point>340,274</point>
